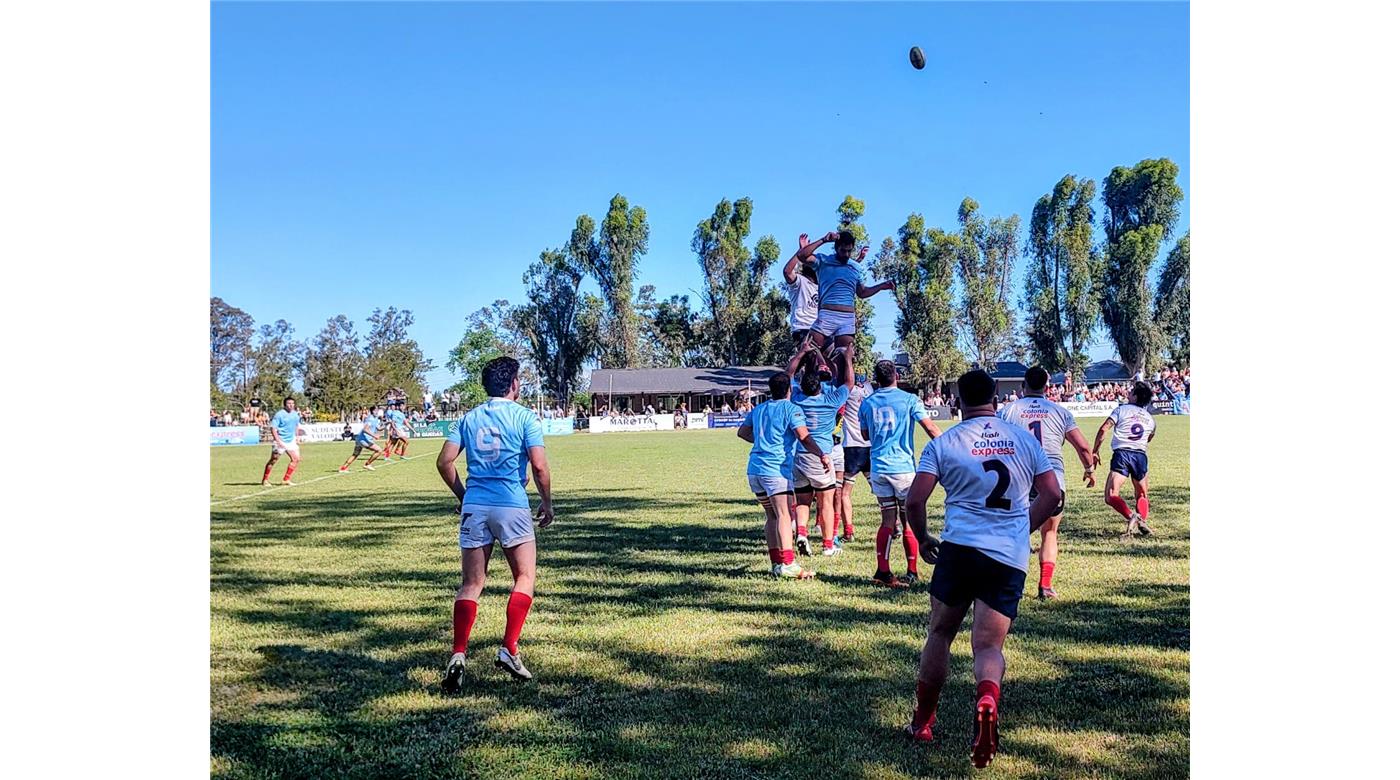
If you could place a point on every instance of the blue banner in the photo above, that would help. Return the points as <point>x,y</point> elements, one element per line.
<point>234,434</point>
<point>730,420</point>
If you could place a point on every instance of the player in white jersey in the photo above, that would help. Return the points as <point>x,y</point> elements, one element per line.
<point>1133,427</point>
<point>1051,425</point>
<point>802,295</point>
<point>987,468</point>
<point>856,449</point>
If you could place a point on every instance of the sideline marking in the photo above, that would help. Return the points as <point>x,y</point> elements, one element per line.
<point>282,488</point>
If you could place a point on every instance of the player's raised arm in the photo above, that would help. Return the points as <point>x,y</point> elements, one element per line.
<point>1047,498</point>
<point>447,468</point>
<point>805,252</point>
<point>865,292</point>
<point>848,369</point>
<point>916,514</point>
<point>790,270</point>
<point>1086,456</point>
<point>539,465</point>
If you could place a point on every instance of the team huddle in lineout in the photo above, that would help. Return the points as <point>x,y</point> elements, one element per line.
<point>1002,472</point>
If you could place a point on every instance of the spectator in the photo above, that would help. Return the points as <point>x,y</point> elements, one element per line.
<point>213,418</point>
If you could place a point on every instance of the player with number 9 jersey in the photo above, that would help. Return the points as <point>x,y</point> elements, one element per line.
<point>1133,427</point>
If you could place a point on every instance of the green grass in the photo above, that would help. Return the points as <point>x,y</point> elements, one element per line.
<point>659,644</point>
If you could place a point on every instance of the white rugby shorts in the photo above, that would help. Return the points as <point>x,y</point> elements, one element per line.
<point>891,485</point>
<point>808,471</point>
<point>832,323</point>
<point>769,486</point>
<point>279,447</point>
<point>482,525</point>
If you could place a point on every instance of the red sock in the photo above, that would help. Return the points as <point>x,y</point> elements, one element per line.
<point>1047,570</point>
<point>801,530</point>
<point>849,529</point>
<point>267,472</point>
<point>288,476</point>
<point>463,616</point>
<point>883,537</point>
<point>989,688</point>
<point>1120,506</point>
<point>775,555</point>
<point>911,550</point>
<point>516,610</point>
<point>828,543</point>
<point>1142,506</point>
<point>787,557</point>
<point>925,705</point>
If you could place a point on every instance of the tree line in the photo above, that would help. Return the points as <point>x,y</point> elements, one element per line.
<point>956,297</point>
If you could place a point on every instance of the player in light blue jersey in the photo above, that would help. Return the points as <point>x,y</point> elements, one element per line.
<point>399,430</point>
<point>500,438</point>
<point>988,468</point>
<point>838,285</point>
<point>367,439</point>
<point>820,403</point>
<point>887,418</point>
<point>775,428</point>
<point>286,424</point>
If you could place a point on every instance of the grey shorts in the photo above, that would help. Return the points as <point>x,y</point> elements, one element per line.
<point>769,486</point>
<point>808,472</point>
<point>891,486</point>
<point>483,525</point>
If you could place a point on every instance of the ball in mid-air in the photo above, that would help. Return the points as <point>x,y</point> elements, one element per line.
<point>916,58</point>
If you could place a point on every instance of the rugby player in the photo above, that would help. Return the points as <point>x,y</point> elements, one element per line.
<point>500,438</point>
<point>774,428</point>
<point>1133,427</point>
<point>838,284</point>
<point>987,467</point>
<point>399,429</point>
<point>819,402</point>
<point>286,424</point>
<point>366,439</point>
<point>886,420</point>
<point>855,452</point>
<point>1051,425</point>
<point>802,295</point>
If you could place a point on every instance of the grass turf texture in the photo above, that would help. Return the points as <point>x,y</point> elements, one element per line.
<point>660,646</point>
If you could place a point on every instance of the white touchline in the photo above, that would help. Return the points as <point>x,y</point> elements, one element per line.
<point>280,488</point>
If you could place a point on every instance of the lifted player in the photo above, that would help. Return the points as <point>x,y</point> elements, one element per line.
<point>838,284</point>
<point>987,468</point>
<point>286,427</point>
<point>366,439</point>
<point>500,438</point>
<point>887,418</point>
<point>1051,425</point>
<point>1133,427</point>
<point>774,428</point>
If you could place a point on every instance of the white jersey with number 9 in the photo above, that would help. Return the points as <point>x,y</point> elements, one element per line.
<point>1132,427</point>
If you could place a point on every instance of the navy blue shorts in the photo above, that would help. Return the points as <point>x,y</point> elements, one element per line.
<point>1129,463</point>
<point>857,460</point>
<point>965,573</point>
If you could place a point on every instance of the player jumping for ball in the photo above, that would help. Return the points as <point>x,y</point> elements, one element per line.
<point>286,424</point>
<point>801,280</point>
<point>838,284</point>
<point>775,428</point>
<point>1133,427</point>
<point>1051,425</point>
<point>366,439</point>
<point>500,438</point>
<point>987,467</point>
<point>887,418</point>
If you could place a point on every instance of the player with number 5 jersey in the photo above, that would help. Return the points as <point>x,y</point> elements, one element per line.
<point>988,468</point>
<point>500,438</point>
<point>1133,427</point>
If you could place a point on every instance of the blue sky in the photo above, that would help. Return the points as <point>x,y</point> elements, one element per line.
<point>422,155</point>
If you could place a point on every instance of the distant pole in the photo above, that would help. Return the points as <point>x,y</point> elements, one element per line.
<point>610,392</point>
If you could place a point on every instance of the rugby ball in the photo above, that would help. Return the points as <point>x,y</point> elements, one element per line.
<point>916,58</point>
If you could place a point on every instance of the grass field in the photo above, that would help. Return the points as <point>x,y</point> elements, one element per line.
<point>660,646</point>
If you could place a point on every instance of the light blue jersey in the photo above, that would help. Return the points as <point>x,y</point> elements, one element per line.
<point>370,430</point>
<point>285,423</point>
<point>820,412</point>
<point>399,421</point>
<point>836,281</point>
<point>497,437</point>
<point>889,415</point>
<point>775,425</point>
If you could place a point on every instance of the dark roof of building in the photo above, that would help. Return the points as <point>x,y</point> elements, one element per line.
<point>1008,369</point>
<point>629,381</point>
<point>1102,371</point>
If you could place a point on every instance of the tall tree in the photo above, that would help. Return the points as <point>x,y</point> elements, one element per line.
<point>335,369</point>
<point>986,254</point>
<point>1062,301</point>
<point>561,325</point>
<point>230,343</point>
<point>276,360</point>
<point>1141,206</point>
<point>612,259</point>
<point>669,329</point>
<point>745,323</point>
<point>487,337</point>
<point>921,264</point>
<point>1173,303</point>
<point>848,215</point>
<point>392,358</point>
